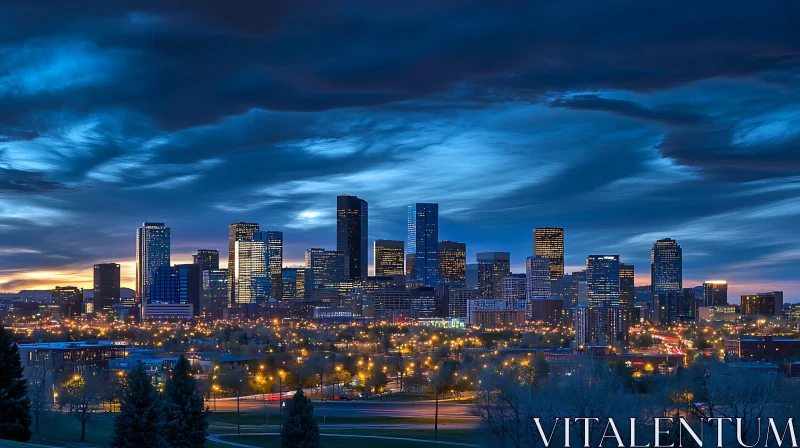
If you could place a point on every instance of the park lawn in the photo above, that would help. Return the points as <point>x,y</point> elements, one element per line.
<point>252,418</point>
<point>59,429</point>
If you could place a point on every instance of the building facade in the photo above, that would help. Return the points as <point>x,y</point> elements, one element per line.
<point>389,257</point>
<point>768,304</point>
<point>602,280</point>
<point>492,267</point>
<point>537,272</point>
<point>548,242</point>
<point>627,278</point>
<point>715,293</point>
<point>208,259</point>
<point>426,249</point>
<point>666,267</point>
<point>452,262</point>
<point>106,286</point>
<point>239,231</point>
<point>250,272</point>
<point>352,231</point>
<point>152,251</point>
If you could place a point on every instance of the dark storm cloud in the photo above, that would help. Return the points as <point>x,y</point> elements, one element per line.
<point>622,121</point>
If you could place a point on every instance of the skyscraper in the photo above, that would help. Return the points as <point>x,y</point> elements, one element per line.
<point>411,238</point>
<point>452,262</point>
<point>666,267</point>
<point>426,230</point>
<point>239,231</point>
<point>273,242</point>
<point>326,267</point>
<point>106,286</point>
<point>388,256</point>
<point>251,274</point>
<point>626,284</point>
<point>179,284</point>
<point>215,294</point>
<point>352,235</point>
<point>492,267</point>
<point>513,287</point>
<point>208,259</point>
<point>152,251</point>
<point>549,242</point>
<point>763,304</point>
<point>537,271</point>
<point>602,280</point>
<point>715,292</point>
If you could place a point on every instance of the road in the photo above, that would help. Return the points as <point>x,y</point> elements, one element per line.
<point>358,408</point>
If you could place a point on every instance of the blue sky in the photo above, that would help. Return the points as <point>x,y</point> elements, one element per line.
<point>624,122</point>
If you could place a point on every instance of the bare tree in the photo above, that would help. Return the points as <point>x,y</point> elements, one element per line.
<point>80,395</point>
<point>40,386</point>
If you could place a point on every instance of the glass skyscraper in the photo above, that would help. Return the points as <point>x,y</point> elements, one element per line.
<point>388,256</point>
<point>626,284</point>
<point>352,235</point>
<point>426,255</point>
<point>239,231</point>
<point>602,280</point>
<point>537,272</point>
<point>326,267</point>
<point>715,292</point>
<point>452,262</point>
<point>215,294</point>
<point>106,286</point>
<point>250,271</point>
<point>549,242</point>
<point>492,267</point>
<point>152,251</point>
<point>666,267</point>
<point>208,259</point>
<point>273,241</point>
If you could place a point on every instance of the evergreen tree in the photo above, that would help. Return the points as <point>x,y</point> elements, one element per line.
<point>15,409</point>
<point>300,430</point>
<point>183,423</point>
<point>137,423</point>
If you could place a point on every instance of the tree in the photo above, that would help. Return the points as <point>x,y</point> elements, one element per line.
<point>300,430</point>
<point>183,421</point>
<point>138,420</point>
<point>41,374</point>
<point>15,412</point>
<point>79,395</point>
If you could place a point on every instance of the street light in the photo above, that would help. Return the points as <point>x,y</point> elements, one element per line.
<point>215,388</point>
<point>281,374</point>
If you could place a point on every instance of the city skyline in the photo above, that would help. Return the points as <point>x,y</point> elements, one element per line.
<point>692,137</point>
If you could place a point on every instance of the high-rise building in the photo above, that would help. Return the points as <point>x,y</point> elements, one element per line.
<point>666,307</point>
<point>411,238</point>
<point>67,294</point>
<point>768,304</point>
<point>453,299</point>
<point>426,249</point>
<point>238,231</point>
<point>388,256</point>
<point>250,271</point>
<point>471,275</point>
<point>626,285</point>
<point>602,280</point>
<point>326,267</point>
<point>492,267</point>
<point>537,270</point>
<point>273,241</point>
<point>294,283</point>
<point>687,307</point>
<point>452,262</point>
<point>152,251</point>
<point>208,259</point>
<point>179,284</point>
<point>666,267</point>
<point>548,242</point>
<point>715,293</point>
<point>106,286</point>
<point>352,235</point>
<point>514,287</point>
<point>215,294</point>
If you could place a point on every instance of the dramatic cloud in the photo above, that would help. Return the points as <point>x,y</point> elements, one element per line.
<point>622,121</point>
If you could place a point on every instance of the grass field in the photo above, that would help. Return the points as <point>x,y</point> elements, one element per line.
<point>332,441</point>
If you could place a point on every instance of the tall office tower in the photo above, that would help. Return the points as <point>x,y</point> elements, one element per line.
<point>273,242</point>
<point>182,283</point>
<point>569,291</point>
<point>492,267</point>
<point>768,304</point>
<point>152,251</point>
<point>537,271</point>
<point>582,326</point>
<point>549,242</point>
<point>666,267</point>
<point>106,286</point>
<point>250,271</point>
<point>457,298</point>
<point>351,235</point>
<point>388,256</point>
<point>215,294</point>
<point>411,241</point>
<point>602,280</point>
<point>452,262</point>
<point>239,231</point>
<point>514,287</point>
<point>666,307</point>
<point>208,259</point>
<point>426,249</point>
<point>326,267</point>
<point>715,292</point>
<point>626,285</point>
